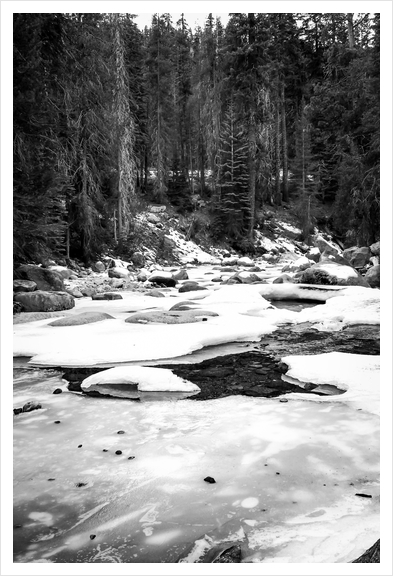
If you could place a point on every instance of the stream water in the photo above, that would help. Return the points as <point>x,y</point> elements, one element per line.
<point>101,480</point>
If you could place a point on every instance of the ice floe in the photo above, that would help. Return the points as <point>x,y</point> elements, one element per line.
<point>357,374</point>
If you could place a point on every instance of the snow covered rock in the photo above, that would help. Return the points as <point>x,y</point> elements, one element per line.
<point>41,301</point>
<point>44,278</point>
<point>358,257</point>
<point>24,286</point>
<point>65,272</point>
<point>283,279</point>
<point>144,378</point>
<point>118,272</point>
<point>171,317</point>
<point>300,264</point>
<point>331,273</point>
<point>74,292</point>
<point>153,219</point>
<point>356,374</point>
<point>229,261</point>
<point>190,287</point>
<point>80,319</point>
<point>245,261</point>
<point>325,246</point>
<point>180,275</point>
<point>372,276</point>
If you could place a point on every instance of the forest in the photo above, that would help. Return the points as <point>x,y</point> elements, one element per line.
<point>218,121</point>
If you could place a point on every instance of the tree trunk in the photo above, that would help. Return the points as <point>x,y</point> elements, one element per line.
<point>351,37</point>
<point>251,175</point>
<point>277,156</point>
<point>284,145</point>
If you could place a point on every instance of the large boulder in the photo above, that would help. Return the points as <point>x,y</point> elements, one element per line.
<point>162,279</point>
<point>118,272</point>
<point>138,259</point>
<point>24,286</point>
<point>373,276</point>
<point>44,278</point>
<point>327,273</point>
<point>41,301</point>
<point>245,261</point>
<point>98,266</point>
<point>313,253</point>
<point>181,275</point>
<point>325,246</point>
<point>358,257</point>
<point>229,261</point>
<point>63,271</point>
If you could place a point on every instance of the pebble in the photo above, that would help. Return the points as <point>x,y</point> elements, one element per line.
<point>364,495</point>
<point>283,400</point>
<point>80,484</point>
<point>92,536</point>
<point>131,457</point>
<point>210,480</point>
<point>18,526</point>
<point>118,452</point>
<point>278,473</point>
<point>51,479</point>
<point>80,446</point>
<point>57,422</point>
<point>105,450</point>
<point>121,432</point>
<point>57,391</point>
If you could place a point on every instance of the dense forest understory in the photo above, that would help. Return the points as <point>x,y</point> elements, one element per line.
<point>217,122</point>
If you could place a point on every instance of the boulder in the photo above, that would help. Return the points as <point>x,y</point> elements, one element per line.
<point>157,209</point>
<point>118,272</point>
<point>300,264</point>
<point>245,261</point>
<point>74,292</point>
<point>349,252</point>
<point>373,276</point>
<point>325,246</point>
<point>229,261</point>
<point>138,259</point>
<point>153,219</point>
<point>117,282</point>
<point>24,286</point>
<point>163,279</point>
<point>376,248</point>
<point>331,273</point>
<point>63,271</point>
<point>171,317</point>
<point>360,257</point>
<point>98,266</point>
<point>244,278</point>
<point>180,275</point>
<point>313,253</point>
<point>107,296</point>
<point>142,276</point>
<point>88,291</point>
<point>41,301</point>
<point>155,293</point>
<point>44,278</point>
<point>283,279</point>
<point>80,319</point>
<point>190,287</point>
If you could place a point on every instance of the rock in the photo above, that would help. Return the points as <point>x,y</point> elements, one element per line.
<point>370,556</point>
<point>283,279</point>
<point>373,276</point>
<point>30,406</point>
<point>57,391</point>
<point>153,219</point>
<point>185,305</point>
<point>229,261</point>
<point>74,292</point>
<point>17,308</point>
<point>24,286</point>
<point>163,279</point>
<point>62,270</point>
<point>245,261</point>
<point>171,317</point>
<point>209,480</point>
<point>80,319</point>
<point>157,209</point>
<point>360,257</point>
<point>180,275</point>
<point>313,254</point>
<point>41,301</point>
<point>73,277</point>
<point>244,278</point>
<point>98,266</point>
<point>142,276</point>
<point>138,259</point>
<point>118,272</point>
<point>117,282</point>
<point>88,291</point>
<point>301,263</point>
<point>376,248</point>
<point>45,279</point>
<point>107,296</point>
<point>348,252</point>
<point>155,293</point>
<point>17,411</point>
<point>325,246</point>
<point>327,273</point>
<point>191,287</point>
<point>374,260</point>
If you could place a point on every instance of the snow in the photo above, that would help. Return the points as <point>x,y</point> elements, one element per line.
<point>357,374</point>
<point>147,379</point>
<point>157,508</point>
